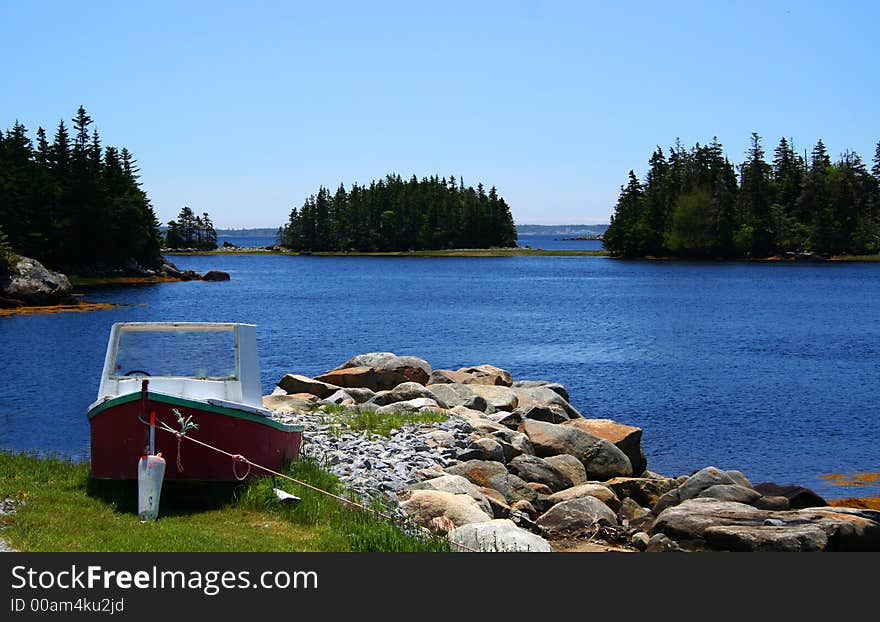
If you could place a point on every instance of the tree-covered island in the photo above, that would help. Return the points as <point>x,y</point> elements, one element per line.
<point>394,214</point>
<point>695,203</point>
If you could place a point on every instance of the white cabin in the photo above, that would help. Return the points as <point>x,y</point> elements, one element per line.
<point>213,362</point>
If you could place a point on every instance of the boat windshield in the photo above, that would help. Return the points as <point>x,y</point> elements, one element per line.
<point>203,353</point>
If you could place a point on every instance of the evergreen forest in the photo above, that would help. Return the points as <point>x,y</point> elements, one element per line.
<point>394,214</point>
<point>696,203</point>
<point>72,203</point>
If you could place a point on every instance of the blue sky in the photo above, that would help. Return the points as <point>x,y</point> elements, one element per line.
<point>242,109</point>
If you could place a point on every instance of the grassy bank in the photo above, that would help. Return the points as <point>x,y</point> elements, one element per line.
<point>62,509</point>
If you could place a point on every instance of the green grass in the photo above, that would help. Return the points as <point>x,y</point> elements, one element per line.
<point>63,509</point>
<point>373,423</point>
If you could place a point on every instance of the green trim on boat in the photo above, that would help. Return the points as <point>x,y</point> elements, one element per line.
<point>198,404</point>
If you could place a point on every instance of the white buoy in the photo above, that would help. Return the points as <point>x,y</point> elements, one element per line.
<point>151,472</point>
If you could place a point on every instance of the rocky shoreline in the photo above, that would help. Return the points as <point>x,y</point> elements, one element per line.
<point>513,466</point>
<point>30,284</point>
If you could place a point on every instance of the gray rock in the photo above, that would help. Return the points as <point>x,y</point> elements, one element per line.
<point>568,465</point>
<point>494,475</point>
<point>498,535</point>
<point>601,458</point>
<point>457,485</point>
<point>457,394</point>
<point>482,449</point>
<point>534,469</point>
<point>425,505</point>
<point>694,485</point>
<point>497,397</point>
<point>575,516</point>
<point>553,386</point>
<point>627,438</point>
<point>546,397</point>
<point>402,369</point>
<point>600,492</point>
<point>32,283</point>
<point>486,375</point>
<point>726,525</point>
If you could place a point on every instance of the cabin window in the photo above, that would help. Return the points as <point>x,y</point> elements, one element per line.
<point>184,352</point>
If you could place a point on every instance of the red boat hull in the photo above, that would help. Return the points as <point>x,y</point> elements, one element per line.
<point>119,439</point>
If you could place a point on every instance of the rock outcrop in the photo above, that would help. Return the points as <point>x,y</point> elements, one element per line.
<point>30,283</point>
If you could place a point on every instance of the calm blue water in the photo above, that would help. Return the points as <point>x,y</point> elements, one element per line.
<point>769,368</point>
<point>546,242</point>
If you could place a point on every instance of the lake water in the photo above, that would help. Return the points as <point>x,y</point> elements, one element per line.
<point>768,368</point>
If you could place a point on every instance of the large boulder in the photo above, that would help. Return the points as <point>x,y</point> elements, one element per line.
<point>730,526</point>
<point>601,458</point>
<point>456,394</point>
<point>599,491</point>
<point>575,516</point>
<point>535,469</point>
<point>544,396</point>
<point>425,505</point>
<point>403,369</point>
<point>483,449</point>
<point>378,371</point>
<point>456,485</point>
<point>497,397</point>
<point>570,466</point>
<point>697,483</point>
<point>495,475</point>
<point>553,386</point>
<point>32,283</point>
<point>798,496</point>
<point>498,535</point>
<point>295,383</point>
<point>627,438</point>
<point>486,374</point>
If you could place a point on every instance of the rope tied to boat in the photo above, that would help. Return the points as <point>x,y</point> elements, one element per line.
<point>185,425</point>
<point>236,458</point>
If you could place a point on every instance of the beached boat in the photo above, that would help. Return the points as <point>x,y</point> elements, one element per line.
<point>206,373</point>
